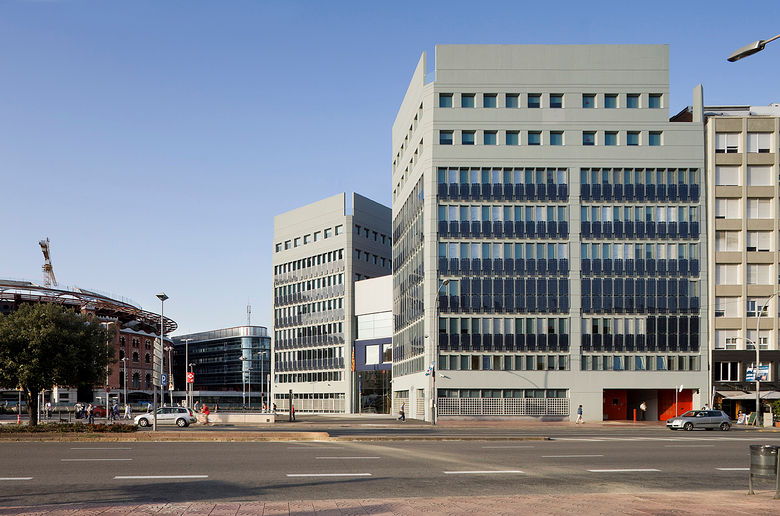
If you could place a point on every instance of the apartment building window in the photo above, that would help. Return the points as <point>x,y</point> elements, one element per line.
<point>489,100</point>
<point>445,100</point>
<point>278,247</point>
<point>727,176</point>
<point>654,101</point>
<point>726,371</point>
<point>534,138</point>
<point>759,142</point>
<point>328,233</point>
<point>632,138</point>
<point>339,229</point>
<point>512,100</point>
<point>632,100</point>
<point>490,138</point>
<point>726,339</point>
<point>556,100</point>
<point>588,100</point>
<point>287,244</point>
<point>556,137</point>
<point>467,100</point>
<point>654,138</point>
<point>727,306</point>
<point>762,338</point>
<point>610,100</point>
<point>759,241</point>
<point>759,208</point>
<point>588,138</point>
<point>610,138</point>
<point>727,241</point>
<point>727,143</point>
<point>512,138</point>
<point>728,208</point>
<point>467,137</point>
<point>728,274</point>
<point>754,306</point>
<point>317,236</point>
<point>534,100</point>
<point>759,175</point>
<point>297,242</point>
<point>759,274</point>
<point>445,137</point>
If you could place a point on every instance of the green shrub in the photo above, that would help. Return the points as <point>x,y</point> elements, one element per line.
<point>68,428</point>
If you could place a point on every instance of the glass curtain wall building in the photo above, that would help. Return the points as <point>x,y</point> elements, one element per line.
<point>548,231</point>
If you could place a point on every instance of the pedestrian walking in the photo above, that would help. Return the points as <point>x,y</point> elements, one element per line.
<point>643,411</point>
<point>91,414</point>
<point>579,416</point>
<point>402,412</point>
<point>274,405</point>
<point>48,410</point>
<point>206,413</point>
<point>292,412</point>
<point>115,410</point>
<point>128,411</point>
<point>149,408</point>
<point>216,407</point>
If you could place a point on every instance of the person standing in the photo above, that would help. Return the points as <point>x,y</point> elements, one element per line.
<point>127,411</point>
<point>206,413</point>
<point>579,416</point>
<point>643,411</point>
<point>91,414</point>
<point>292,412</point>
<point>402,412</point>
<point>48,410</point>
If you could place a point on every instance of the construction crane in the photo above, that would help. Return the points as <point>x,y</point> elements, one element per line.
<point>48,270</point>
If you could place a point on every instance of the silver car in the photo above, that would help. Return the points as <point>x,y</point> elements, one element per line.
<point>179,416</point>
<point>707,419</point>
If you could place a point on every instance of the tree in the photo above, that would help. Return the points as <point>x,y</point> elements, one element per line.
<point>43,345</point>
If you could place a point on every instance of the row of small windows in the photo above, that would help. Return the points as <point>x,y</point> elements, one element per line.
<point>730,307</point>
<point>552,100</point>
<point>372,258</point>
<point>309,285</point>
<point>325,376</point>
<point>735,339</point>
<point>310,354</point>
<point>503,393</point>
<point>135,342</point>
<point>639,213</point>
<point>639,176</point>
<point>501,213</point>
<point>498,176</point>
<point>732,274</point>
<point>505,363</point>
<point>640,363</point>
<point>309,238</point>
<point>310,308</point>
<point>731,241</point>
<point>504,326</point>
<point>311,261</point>
<point>136,356</point>
<point>476,250</point>
<point>374,235</point>
<point>589,138</point>
<point>756,142</point>
<point>336,328</point>
<point>638,251</point>
<point>762,175</point>
<point>732,208</point>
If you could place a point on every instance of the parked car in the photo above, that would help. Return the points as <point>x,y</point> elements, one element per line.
<point>179,416</point>
<point>707,419</point>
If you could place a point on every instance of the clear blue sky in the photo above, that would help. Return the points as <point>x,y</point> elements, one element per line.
<point>153,142</point>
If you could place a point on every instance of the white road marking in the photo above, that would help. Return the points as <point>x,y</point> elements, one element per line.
<point>689,446</point>
<point>328,474</point>
<point>156,477</point>
<point>576,439</point>
<point>505,447</point>
<point>636,470</point>
<point>346,458</point>
<point>567,456</point>
<point>733,469</point>
<point>16,478</point>
<point>89,460</point>
<point>101,448</point>
<point>485,472</point>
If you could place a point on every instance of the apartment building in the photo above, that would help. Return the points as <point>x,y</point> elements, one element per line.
<point>320,250</point>
<point>742,167</point>
<point>547,235</point>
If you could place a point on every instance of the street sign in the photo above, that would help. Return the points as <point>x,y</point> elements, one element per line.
<point>763,374</point>
<point>164,379</point>
<point>190,377</point>
<point>170,387</point>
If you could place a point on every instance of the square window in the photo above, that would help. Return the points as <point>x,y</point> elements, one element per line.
<point>445,137</point>
<point>445,100</point>
<point>489,100</point>
<point>556,100</point>
<point>467,138</point>
<point>339,229</point>
<point>512,138</point>
<point>278,247</point>
<point>654,138</point>
<point>588,138</point>
<point>632,100</point>
<point>610,138</point>
<point>654,101</point>
<point>467,100</point>
<point>534,138</point>
<point>610,100</point>
<point>556,138</point>
<point>534,100</point>
<point>512,100</point>
<point>632,138</point>
<point>490,138</point>
<point>588,100</point>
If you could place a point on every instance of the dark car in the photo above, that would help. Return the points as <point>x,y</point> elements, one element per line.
<point>707,419</point>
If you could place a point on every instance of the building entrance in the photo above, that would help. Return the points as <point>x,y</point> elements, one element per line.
<point>620,404</point>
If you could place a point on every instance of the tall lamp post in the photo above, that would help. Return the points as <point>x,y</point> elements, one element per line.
<point>162,297</point>
<point>169,349</point>
<point>435,397</point>
<point>186,362</point>
<point>750,49</point>
<point>244,377</point>
<point>756,344</point>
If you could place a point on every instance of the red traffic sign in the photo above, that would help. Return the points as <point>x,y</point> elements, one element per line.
<point>190,377</point>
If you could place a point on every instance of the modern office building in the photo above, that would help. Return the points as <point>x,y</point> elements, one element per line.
<point>547,235</point>
<point>320,250</point>
<point>374,343</point>
<point>230,365</point>
<point>742,168</point>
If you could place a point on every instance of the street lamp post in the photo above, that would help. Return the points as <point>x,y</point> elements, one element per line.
<point>244,377</point>
<point>162,297</point>
<point>169,349</point>
<point>186,383</point>
<point>262,378</point>
<point>750,49</point>
<point>756,344</point>
<point>435,397</point>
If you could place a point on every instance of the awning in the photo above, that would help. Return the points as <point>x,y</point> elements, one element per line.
<point>751,395</point>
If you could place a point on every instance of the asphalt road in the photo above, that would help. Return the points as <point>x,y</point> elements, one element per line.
<point>588,460</point>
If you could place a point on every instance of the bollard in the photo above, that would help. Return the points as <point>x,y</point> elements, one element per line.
<point>764,463</point>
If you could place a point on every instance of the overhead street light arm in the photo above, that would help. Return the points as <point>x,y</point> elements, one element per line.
<point>752,48</point>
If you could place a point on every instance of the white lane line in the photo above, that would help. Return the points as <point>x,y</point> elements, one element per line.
<point>15,478</point>
<point>505,447</point>
<point>89,460</point>
<point>484,472</point>
<point>156,477</point>
<point>567,456</point>
<point>635,470</point>
<point>346,458</point>
<point>576,439</point>
<point>733,469</point>
<point>101,448</point>
<point>689,446</point>
<point>328,474</point>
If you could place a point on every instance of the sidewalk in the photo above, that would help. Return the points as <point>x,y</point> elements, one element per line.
<point>694,503</point>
